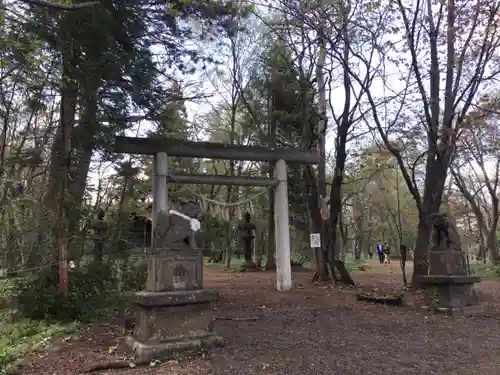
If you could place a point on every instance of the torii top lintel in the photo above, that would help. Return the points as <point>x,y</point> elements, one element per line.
<point>211,150</point>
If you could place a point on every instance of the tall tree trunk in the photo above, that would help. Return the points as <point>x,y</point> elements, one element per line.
<point>338,178</point>
<point>491,242</point>
<point>68,104</point>
<point>436,173</point>
<point>86,132</point>
<point>359,240</point>
<point>311,191</point>
<point>55,201</point>
<point>343,126</point>
<point>492,235</point>
<point>322,225</point>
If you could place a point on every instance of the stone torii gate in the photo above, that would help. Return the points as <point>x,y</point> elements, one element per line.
<point>161,148</point>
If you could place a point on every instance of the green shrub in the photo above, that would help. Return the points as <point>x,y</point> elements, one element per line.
<point>488,271</point>
<point>302,255</point>
<point>299,260</point>
<point>352,264</point>
<point>134,279</point>
<point>90,289</point>
<point>18,339</point>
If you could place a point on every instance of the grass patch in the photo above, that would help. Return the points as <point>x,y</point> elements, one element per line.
<point>236,263</point>
<point>352,264</point>
<point>19,339</point>
<point>488,271</point>
<point>221,265</point>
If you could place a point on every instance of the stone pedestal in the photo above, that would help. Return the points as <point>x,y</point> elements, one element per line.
<point>448,287</point>
<point>453,294</point>
<point>172,323</point>
<point>173,314</point>
<point>447,262</point>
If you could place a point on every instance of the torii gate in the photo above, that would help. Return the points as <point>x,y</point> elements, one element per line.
<point>161,148</point>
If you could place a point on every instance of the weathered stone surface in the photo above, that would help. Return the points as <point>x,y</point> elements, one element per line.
<point>448,285</point>
<point>173,323</point>
<point>174,311</point>
<point>169,273</point>
<point>449,294</point>
<point>174,264</point>
<point>446,256</point>
<point>181,297</point>
<point>172,233</point>
<point>445,235</point>
<point>168,350</point>
<point>451,279</point>
<point>190,207</point>
<point>447,262</point>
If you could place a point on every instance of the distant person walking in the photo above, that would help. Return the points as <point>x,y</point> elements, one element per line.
<point>387,253</point>
<point>380,252</point>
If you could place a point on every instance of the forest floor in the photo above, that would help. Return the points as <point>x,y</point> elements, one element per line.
<point>313,329</point>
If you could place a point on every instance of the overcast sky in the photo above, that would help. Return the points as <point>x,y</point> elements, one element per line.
<point>394,82</point>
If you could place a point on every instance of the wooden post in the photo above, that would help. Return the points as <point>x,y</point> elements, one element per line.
<point>283,266</point>
<point>160,188</point>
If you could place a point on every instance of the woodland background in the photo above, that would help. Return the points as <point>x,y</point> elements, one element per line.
<point>401,95</point>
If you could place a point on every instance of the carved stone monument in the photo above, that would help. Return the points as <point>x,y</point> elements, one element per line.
<point>449,287</point>
<point>247,236</point>
<point>174,312</point>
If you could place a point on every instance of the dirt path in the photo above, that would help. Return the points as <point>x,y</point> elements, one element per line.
<point>315,330</point>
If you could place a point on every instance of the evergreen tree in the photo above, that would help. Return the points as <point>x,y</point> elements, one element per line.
<point>281,96</point>
<point>107,70</point>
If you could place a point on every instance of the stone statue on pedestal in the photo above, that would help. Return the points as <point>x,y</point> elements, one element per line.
<point>174,311</point>
<point>449,287</point>
<point>446,256</point>
<point>445,234</point>
<point>247,236</point>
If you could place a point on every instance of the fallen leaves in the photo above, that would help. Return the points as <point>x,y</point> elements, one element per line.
<point>314,330</point>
